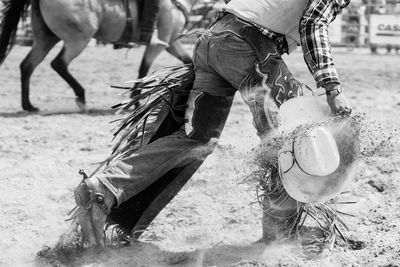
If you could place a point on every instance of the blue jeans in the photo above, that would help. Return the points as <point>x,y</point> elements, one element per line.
<point>224,63</point>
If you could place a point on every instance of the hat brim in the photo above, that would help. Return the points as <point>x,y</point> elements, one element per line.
<point>315,189</point>
<point>301,110</point>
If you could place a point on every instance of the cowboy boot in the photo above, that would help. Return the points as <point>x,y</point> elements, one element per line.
<point>278,221</point>
<point>95,202</point>
<point>280,211</point>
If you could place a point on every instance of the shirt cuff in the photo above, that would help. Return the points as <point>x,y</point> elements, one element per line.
<point>325,76</point>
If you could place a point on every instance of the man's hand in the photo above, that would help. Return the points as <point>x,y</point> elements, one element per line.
<point>337,101</point>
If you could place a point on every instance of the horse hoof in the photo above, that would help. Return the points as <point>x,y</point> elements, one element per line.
<point>30,108</point>
<point>81,104</point>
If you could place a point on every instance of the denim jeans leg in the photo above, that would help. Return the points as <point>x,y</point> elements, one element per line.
<point>256,75</point>
<point>267,86</point>
<point>137,170</point>
<point>235,60</point>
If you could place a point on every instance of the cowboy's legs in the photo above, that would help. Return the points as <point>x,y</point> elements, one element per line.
<point>218,71</point>
<point>206,115</point>
<point>137,170</point>
<point>207,109</point>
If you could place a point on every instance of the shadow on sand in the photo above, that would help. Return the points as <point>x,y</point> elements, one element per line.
<point>89,112</point>
<point>147,254</point>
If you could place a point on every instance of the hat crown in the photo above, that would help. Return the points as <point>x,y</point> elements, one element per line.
<point>316,152</point>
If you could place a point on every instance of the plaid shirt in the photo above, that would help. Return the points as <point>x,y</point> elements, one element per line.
<point>315,41</point>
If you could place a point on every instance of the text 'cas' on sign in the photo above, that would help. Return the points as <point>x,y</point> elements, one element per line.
<point>384,29</point>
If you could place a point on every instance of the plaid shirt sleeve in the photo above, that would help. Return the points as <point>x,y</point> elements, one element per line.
<point>315,41</point>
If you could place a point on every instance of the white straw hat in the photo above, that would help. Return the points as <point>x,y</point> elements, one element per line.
<point>317,161</point>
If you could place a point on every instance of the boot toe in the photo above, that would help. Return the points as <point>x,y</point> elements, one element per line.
<point>95,202</point>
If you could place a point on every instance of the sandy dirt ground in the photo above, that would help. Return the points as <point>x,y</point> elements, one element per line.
<point>213,221</point>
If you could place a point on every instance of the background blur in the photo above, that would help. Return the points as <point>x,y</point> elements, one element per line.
<point>373,24</point>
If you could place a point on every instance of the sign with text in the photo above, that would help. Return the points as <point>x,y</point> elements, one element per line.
<point>384,29</point>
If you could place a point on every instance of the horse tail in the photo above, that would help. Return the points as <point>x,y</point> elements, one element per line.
<point>12,12</point>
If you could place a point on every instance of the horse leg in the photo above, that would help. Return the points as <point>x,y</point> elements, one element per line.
<point>169,24</point>
<point>179,52</point>
<point>60,65</point>
<point>44,41</point>
<point>150,54</point>
<point>38,52</point>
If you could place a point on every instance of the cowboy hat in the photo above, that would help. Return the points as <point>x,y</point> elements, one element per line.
<point>318,158</point>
